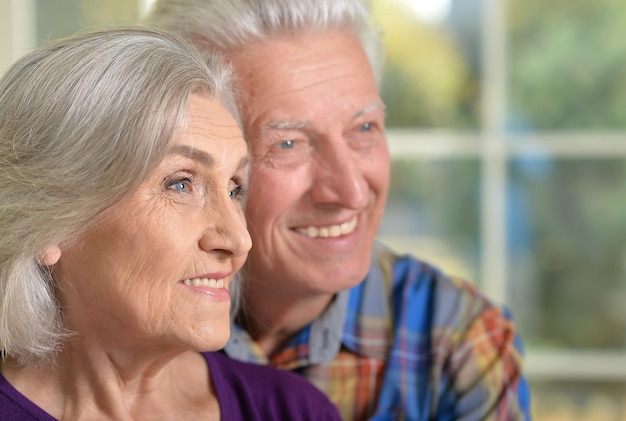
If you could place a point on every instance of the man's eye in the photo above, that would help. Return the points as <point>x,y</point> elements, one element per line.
<point>366,127</point>
<point>287,144</point>
<point>283,150</point>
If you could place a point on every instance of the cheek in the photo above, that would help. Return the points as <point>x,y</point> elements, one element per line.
<point>378,170</point>
<point>380,181</point>
<point>239,262</point>
<point>150,258</point>
<point>126,279</point>
<point>273,193</point>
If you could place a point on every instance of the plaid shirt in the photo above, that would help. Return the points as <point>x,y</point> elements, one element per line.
<point>408,343</point>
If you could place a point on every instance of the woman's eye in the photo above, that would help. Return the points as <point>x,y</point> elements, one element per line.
<point>234,192</point>
<point>238,192</point>
<point>183,185</point>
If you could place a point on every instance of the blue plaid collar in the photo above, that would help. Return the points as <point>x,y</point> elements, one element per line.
<point>347,321</point>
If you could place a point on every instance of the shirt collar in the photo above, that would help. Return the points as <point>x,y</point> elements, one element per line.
<point>358,318</point>
<point>368,329</point>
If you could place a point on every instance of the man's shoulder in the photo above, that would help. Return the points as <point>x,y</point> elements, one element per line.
<point>418,284</point>
<point>406,270</point>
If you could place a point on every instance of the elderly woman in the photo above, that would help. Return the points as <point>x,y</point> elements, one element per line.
<point>122,178</point>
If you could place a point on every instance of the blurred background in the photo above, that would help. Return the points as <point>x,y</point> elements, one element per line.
<point>507,125</point>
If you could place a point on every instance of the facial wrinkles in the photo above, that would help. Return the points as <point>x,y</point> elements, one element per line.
<point>217,167</point>
<point>307,125</point>
<point>224,135</point>
<point>332,126</point>
<point>141,280</point>
<point>325,76</point>
<point>190,266</point>
<point>148,243</point>
<point>150,219</point>
<point>331,74</point>
<point>241,168</point>
<point>151,215</point>
<point>130,275</point>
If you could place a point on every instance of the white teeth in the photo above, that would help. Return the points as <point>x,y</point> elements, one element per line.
<point>205,282</point>
<point>330,231</point>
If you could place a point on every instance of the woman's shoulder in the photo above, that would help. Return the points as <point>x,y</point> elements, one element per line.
<point>253,392</point>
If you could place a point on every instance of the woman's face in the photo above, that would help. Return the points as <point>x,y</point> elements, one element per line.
<point>156,271</point>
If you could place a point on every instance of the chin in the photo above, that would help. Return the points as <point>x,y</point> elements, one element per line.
<point>215,343</point>
<point>213,335</point>
<point>342,280</point>
<point>353,272</point>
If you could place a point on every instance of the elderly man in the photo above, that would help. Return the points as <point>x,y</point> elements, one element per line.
<point>384,336</point>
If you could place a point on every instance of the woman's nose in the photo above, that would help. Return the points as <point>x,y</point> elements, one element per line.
<point>226,232</point>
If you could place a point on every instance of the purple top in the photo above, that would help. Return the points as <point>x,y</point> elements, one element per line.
<point>245,392</point>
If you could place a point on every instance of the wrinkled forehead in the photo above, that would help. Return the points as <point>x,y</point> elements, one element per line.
<point>302,78</point>
<point>210,128</point>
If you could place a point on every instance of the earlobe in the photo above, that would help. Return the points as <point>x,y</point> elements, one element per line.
<point>50,256</point>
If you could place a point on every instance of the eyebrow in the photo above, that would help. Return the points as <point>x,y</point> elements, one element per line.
<point>286,125</point>
<point>301,124</point>
<point>193,153</point>
<point>202,156</point>
<point>243,162</point>
<point>373,106</point>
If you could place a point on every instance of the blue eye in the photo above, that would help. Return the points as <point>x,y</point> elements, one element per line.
<point>287,144</point>
<point>183,185</point>
<point>365,127</point>
<point>237,193</point>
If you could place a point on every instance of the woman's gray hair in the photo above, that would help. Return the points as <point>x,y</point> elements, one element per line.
<point>83,121</point>
<point>229,25</point>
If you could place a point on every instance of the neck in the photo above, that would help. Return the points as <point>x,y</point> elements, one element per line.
<point>273,317</point>
<point>88,383</point>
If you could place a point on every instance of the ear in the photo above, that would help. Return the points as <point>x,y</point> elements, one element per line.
<point>50,255</point>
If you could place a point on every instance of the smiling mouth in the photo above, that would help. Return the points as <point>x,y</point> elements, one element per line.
<point>204,282</point>
<point>331,231</point>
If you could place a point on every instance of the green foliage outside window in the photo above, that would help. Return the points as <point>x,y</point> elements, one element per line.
<point>567,62</point>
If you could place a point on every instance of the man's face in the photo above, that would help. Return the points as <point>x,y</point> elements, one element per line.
<point>314,121</point>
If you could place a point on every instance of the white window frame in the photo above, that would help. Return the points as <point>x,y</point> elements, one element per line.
<point>494,148</point>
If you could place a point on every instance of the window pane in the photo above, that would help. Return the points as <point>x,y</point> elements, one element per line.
<point>579,401</point>
<point>567,254</point>
<point>432,72</point>
<point>433,213</point>
<point>62,17</point>
<point>566,64</point>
